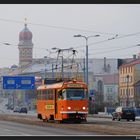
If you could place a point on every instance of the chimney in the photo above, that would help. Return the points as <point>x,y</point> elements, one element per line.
<point>104,64</point>
<point>134,56</point>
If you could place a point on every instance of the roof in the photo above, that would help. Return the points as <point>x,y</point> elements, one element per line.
<point>131,63</point>
<point>58,85</point>
<point>54,86</point>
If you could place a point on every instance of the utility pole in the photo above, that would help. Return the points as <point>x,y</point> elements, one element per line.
<point>45,74</point>
<point>84,70</point>
<point>62,70</point>
<point>127,96</point>
<point>52,72</point>
<point>13,100</point>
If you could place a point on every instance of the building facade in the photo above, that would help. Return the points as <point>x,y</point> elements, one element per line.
<point>129,74</point>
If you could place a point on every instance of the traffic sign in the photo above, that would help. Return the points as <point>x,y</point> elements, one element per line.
<point>18,82</point>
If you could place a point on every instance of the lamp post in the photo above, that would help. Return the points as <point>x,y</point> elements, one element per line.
<point>86,38</point>
<point>127,96</point>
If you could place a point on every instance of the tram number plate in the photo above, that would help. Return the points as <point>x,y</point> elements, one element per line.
<point>49,106</point>
<point>76,109</point>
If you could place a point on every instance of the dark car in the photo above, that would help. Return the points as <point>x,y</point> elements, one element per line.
<point>10,107</point>
<point>124,113</point>
<point>23,110</point>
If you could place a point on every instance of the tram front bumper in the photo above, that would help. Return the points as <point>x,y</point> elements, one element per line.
<point>74,115</point>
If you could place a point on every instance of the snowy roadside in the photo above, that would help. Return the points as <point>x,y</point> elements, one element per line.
<point>4,110</point>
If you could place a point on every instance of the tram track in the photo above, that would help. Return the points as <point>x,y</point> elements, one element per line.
<point>105,127</point>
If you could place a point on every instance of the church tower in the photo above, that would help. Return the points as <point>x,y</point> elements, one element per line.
<point>25,46</point>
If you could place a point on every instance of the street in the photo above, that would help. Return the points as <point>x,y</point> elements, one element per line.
<point>12,128</point>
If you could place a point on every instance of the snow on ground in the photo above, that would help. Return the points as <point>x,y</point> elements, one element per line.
<point>3,108</point>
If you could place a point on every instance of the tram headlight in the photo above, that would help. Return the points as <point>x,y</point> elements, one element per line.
<point>69,108</point>
<point>84,107</point>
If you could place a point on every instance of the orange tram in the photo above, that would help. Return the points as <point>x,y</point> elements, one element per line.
<point>63,101</point>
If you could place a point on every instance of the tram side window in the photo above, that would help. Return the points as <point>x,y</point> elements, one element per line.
<point>49,95</point>
<point>44,95</point>
<point>39,95</point>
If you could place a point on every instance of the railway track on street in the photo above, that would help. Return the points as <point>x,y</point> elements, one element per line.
<point>104,126</point>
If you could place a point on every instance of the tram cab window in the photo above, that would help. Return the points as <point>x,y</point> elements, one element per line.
<point>76,94</point>
<point>64,94</point>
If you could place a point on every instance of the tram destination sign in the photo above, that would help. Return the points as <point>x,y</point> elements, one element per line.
<point>19,82</point>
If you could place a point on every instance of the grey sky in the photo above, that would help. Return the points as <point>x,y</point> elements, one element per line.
<point>107,20</point>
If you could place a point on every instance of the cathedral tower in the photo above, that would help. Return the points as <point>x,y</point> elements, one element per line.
<point>25,46</point>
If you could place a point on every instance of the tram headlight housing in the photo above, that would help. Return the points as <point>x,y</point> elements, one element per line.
<point>69,108</point>
<point>84,107</point>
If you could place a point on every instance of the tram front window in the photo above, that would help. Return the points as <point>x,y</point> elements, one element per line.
<point>75,94</point>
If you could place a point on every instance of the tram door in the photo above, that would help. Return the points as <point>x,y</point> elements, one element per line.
<point>56,105</point>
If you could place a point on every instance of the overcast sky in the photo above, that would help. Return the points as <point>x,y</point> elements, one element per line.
<point>53,25</point>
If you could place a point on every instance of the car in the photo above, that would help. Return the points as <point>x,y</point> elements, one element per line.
<point>16,109</point>
<point>124,113</point>
<point>10,107</point>
<point>23,110</point>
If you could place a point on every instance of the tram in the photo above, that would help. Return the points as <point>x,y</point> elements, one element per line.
<point>63,101</point>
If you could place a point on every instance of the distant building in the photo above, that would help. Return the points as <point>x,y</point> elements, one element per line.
<point>129,75</point>
<point>25,47</point>
<point>106,87</point>
<point>111,88</point>
<point>137,94</point>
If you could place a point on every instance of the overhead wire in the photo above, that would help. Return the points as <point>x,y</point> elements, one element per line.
<point>102,52</point>
<point>57,27</point>
<point>108,39</point>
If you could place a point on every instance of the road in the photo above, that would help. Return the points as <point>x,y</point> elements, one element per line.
<point>94,125</point>
<point>13,128</point>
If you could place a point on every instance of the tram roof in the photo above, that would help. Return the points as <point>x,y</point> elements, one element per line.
<point>51,86</point>
<point>57,85</point>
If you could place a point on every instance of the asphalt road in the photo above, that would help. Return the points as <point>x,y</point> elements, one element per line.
<point>12,129</point>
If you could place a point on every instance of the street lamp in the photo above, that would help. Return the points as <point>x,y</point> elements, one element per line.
<point>127,96</point>
<point>86,37</point>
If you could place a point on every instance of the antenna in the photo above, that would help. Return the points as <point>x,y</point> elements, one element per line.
<point>25,21</point>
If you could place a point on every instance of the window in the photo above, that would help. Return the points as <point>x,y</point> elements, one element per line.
<point>45,95</point>
<point>39,95</point>
<point>123,70</point>
<point>123,92</point>
<point>75,94</point>
<point>50,94</point>
<point>131,91</point>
